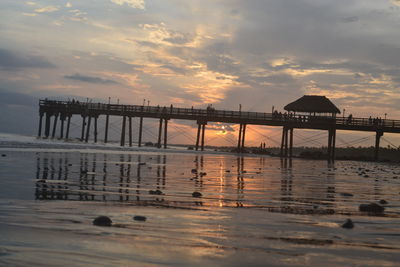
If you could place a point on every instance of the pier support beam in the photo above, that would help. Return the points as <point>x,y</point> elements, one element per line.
<point>123,131</point>
<point>243,136</point>
<point>291,143</point>
<point>378,136</point>
<point>284,142</point>
<point>287,142</point>
<point>62,119</point>
<point>239,137</point>
<point>331,144</point>
<point>68,126</point>
<point>198,135</point>
<point>40,124</point>
<point>47,126</point>
<point>95,128</point>
<point>88,129</point>
<point>159,133</point>
<point>165,133</point>
<point>83,127</point>
<point>140,131</point>
<point>54,125</point>
<point>130,130</point>
<point>106,129</point>
<point>203,131</point>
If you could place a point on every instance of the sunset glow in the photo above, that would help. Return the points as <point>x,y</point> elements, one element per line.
<point>196,53</point>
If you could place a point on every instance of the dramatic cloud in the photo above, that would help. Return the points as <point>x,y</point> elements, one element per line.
<point>10,60</point>
<point>89,79</point>
<point>258,53</point>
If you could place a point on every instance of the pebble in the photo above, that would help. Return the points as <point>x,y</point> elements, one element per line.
<point>346,194</point>
<point>196,194</point>
<point>372,207</point>
<point>102,221</point>
<point>348,224</point>
<point>139,218</point>
<point>155,192</point>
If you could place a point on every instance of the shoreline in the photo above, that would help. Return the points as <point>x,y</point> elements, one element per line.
<point>32,143</point>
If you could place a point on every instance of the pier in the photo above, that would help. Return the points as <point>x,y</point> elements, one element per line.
<point>52,111</point>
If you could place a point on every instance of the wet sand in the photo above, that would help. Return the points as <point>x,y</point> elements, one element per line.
<point>253,210</point>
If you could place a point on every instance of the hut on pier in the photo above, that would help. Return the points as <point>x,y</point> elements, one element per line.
<point>313,105</point>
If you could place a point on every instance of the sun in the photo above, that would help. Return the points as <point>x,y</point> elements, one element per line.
<point>222,131</point>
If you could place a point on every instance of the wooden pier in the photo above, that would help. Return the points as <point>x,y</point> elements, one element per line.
<point>54,111</point>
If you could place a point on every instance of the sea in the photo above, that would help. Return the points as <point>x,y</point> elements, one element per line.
<point>177,207</point>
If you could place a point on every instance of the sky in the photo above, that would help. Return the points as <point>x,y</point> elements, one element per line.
<point>257,53</point>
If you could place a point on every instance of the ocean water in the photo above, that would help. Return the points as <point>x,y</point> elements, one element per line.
<point>258,211</point>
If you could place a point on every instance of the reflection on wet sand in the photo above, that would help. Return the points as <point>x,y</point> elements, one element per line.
<point>145,180</point>
<point>251,209</point>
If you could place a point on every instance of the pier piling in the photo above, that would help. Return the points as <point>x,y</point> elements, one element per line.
<point>203,131</point>
<point>378,136</point>
<point>165,133</point>
<point>95,128</point>
<point>130,130</point>
<point>159,133</point>
<point>123,131</point>
<point>140,131</point>
<point>106,128</point>
<point>54,125</point>
<point>40,124</point>
<point>62,119</point>
<point>83,127</point>
<point>243,136</point>
<point>68,127</point>
<point>88,129</point>
<point>47,126</point>
<point>198,135</point>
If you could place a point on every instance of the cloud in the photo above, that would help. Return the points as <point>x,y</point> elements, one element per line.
<point>350,19</point>
<point>89,79</point>
<point>47,9</point>
<point>29,14</point>
<point>12,61</point>
<point>396,2</point>
<point>30,3</point>
<point>139,4</point>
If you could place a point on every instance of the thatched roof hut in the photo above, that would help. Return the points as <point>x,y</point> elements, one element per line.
<point>312,104</point>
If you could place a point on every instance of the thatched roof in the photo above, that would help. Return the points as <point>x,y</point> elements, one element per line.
<point>312,103</point>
